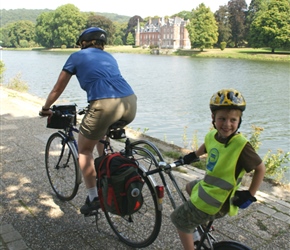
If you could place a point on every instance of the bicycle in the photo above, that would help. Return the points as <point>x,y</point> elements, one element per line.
<point>140,229</point>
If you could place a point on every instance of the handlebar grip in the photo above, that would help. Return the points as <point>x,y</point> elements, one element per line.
<point>57,112</point>
<point>166,167</point>
<point>154,171</point>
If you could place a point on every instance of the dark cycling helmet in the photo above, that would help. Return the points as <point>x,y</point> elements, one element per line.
<point>92,33</point>
<point>227,99</point>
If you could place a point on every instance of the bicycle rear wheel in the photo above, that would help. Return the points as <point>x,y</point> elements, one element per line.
<point>230,245</point>
<point>61,162</point>
<point>142,228</point>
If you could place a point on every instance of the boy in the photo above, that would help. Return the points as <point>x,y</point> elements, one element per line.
<point>230,156</point>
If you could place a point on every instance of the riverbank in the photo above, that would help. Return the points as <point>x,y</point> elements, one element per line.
<point>263,54</point>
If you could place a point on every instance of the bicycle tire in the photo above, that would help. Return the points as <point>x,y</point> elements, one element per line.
<point>229,245</point>
<point>145,224</point>
<point>61,162</point>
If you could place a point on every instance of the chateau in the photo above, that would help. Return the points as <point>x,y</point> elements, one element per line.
<point>165,34</point>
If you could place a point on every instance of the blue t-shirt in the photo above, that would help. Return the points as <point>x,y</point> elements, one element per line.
<point>98,74</point>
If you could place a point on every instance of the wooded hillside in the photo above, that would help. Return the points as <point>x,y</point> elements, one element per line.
<point>11,16</point>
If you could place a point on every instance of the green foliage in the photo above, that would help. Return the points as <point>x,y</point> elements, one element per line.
<point>60,27</point>
<point>255,137</point>
<point>271,28</point>
<point>19,34</point>
<point>104,23</point>
<point>120,32</point>
<point>172,154</point>
<point>130,39</point>
<point>223,45</point>
<point>194,143</point>
<point>186,15</point>
<point>203,30</point>
<point>118,41</point>
<point>43,30</point>
<point>276,164</point>
<point>184,137</point>
<point>12,16</point>
<point>237,20</point>
<point>2,69</point>
<point>224,26</point>
<point>23,44</point>
<point>17,83</point>
<point>68,21</point>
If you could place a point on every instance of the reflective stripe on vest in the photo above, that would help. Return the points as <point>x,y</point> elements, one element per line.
<point>212,180</point>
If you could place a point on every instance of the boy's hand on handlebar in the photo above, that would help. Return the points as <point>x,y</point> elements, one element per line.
<point>243,199</point>
<point>189,158</point>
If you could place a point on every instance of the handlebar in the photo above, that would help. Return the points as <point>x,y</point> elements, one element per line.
<point>58,113</point>
<point>163,166</point>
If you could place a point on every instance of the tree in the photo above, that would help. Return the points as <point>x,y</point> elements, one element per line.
<point>254,8</point>
<point>68,22</point>
<point>118,41</point>
<point>184,14</point>
<point>43,29</point>
<point>19,34</point>
<point>103,23</point>
<point>224,26</point>
<point>131,27</point>
<point>60,27</point>
<point>120,33</point>
<point>237,17</point>
<point>271,28</point>
<point>130,39</point>
<point>202,29</point>
<point>4,35</point>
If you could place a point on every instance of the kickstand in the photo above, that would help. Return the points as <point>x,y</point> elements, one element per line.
<point>97,215</point>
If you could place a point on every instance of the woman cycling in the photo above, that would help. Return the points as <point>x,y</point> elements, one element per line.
<point>110,99</point>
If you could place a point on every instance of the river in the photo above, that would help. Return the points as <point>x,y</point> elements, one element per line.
<point>173,92</point>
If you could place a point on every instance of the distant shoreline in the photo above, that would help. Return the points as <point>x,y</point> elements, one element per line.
<point>263,54</point>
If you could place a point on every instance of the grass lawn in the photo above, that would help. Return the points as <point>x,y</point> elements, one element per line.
<point>236,53</point>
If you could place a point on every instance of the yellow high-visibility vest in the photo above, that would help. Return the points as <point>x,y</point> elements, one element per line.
<point>219,182</point>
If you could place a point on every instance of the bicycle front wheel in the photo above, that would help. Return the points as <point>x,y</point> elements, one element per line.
<point>230,245</point>
<point>61,162</point>
<point>142,228</point>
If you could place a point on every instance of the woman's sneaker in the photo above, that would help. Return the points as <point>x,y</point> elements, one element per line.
<point>90,206</point>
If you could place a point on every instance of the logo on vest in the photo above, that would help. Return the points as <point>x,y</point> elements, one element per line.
<point>212,159</point>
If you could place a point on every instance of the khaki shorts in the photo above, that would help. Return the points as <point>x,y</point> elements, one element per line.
<point>103,113</point>
<point>187,217</point>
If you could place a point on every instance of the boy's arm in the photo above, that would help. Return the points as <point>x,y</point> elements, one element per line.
<point>244,198</point>
<point>201,150</point>
<point>257,178</point>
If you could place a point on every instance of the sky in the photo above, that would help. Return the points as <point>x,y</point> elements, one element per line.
<point>121,7</point>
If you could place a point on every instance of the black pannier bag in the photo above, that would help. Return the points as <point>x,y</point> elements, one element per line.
<point>119,184</point>
<point>57,121</point>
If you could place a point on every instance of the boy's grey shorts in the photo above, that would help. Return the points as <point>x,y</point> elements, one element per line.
<point>187,217</point>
